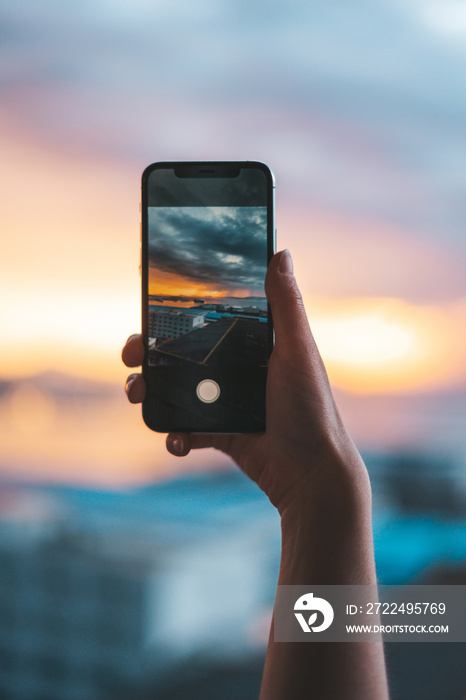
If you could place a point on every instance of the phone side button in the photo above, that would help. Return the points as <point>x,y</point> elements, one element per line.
<point>208,391</point>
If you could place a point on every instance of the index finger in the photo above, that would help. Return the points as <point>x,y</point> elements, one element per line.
<point>133,352</point>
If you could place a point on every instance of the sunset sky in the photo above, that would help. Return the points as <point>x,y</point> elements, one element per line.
<point>359,109</point>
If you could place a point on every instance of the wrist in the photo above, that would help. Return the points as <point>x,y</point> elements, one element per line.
<point>337,483</point>
<point>327,530</point>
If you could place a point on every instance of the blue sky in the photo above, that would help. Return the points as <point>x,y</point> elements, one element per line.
<point>359,106</point>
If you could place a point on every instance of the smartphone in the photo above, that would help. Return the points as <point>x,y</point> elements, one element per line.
<point>207,235</point>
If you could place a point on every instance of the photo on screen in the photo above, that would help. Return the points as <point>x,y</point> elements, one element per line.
<point>207,304</point>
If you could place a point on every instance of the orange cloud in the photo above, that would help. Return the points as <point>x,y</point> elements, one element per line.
<point>380,345</point>
<point>168,283</point>
<point>99,439</point>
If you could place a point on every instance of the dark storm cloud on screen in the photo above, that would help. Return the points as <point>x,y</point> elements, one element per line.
<point>225,246</point>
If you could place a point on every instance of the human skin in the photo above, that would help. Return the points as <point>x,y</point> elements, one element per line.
<point>311,471</point>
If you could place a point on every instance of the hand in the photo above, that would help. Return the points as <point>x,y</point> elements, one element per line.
<point>305,437</point>
<point>310,469</point>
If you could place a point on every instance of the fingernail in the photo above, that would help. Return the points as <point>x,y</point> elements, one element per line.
<point>129,382</point>
<point>134,335</point>
<point>285,266</point>
<point>176,445</point>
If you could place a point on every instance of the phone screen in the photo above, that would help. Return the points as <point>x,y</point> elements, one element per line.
<point>207,245</point>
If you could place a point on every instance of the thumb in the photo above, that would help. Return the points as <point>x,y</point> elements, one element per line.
<point>292,332</point>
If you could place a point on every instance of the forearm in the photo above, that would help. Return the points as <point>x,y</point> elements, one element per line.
<point>327,539</point>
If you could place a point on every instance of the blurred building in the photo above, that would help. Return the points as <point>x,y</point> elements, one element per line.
<point>420,482</point>
<point>166,591</point>
<point>419,505</point>
<point>105,595</point>
<point>171,323</point>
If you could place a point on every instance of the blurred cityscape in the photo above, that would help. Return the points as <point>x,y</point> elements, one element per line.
<point>165,590</point>
<point>109,594</point>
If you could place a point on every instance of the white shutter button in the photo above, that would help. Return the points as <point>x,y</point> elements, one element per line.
<point>208,391</point>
